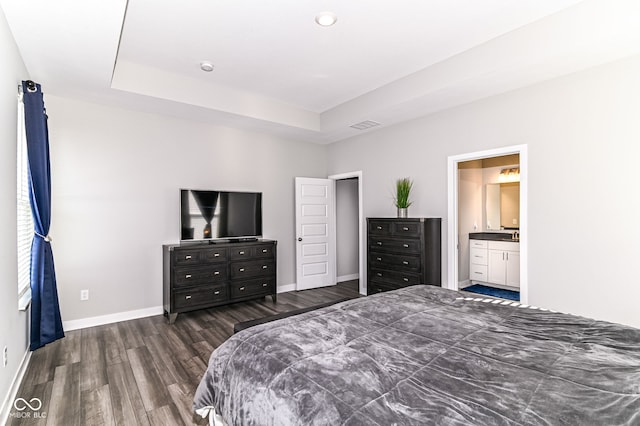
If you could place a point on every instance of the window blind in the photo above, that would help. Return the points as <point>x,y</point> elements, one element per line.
<point>25,219</point>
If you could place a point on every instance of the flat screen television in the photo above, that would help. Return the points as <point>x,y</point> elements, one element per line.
<point>220,215</point>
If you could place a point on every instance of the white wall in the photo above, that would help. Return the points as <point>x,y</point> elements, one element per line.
<point>469,216</point>
<point>347,227</point>
<point>116,176</point>
<point>582,133</point>
<point>13,324</point>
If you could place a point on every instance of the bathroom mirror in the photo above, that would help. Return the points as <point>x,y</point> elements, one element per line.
<point>502,206</point>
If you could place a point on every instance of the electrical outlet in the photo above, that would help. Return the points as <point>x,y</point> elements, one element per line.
<point>5,356</point>
<point>84,294</point>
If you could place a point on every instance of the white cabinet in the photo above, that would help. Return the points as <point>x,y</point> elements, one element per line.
<point>478,260</point>
<point>495,262</point>
<point>513,269</point>
<point>497,271</point>
<point>504,263</point>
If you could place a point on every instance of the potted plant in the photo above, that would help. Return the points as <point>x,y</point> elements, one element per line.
<point>403,191</point>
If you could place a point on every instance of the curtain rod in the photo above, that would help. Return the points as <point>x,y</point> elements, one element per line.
<point>31,86</point>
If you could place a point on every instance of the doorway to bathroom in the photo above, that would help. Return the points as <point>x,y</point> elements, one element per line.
<point>487,222</point>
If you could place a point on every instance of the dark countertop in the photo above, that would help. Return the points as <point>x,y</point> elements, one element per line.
<point>493,236</point>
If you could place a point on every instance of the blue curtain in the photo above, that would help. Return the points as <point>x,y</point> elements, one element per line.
<point>46,323</point>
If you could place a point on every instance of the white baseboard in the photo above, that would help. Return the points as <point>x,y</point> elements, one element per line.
<point>463,284</point>
<point>285,288</point>
<point>292,287</point>
<point>111,318</point>
<point>7,404</point>
<point>349,277</point>
<point>158,310</point>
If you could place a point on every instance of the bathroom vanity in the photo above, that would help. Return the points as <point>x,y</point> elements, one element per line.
<point>494,258</point>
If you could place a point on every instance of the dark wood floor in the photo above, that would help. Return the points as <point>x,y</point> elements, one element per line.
<point>144,371</point>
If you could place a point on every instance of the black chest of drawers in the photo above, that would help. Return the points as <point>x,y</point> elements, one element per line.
<point>403,252</point>
<point>207,275</point>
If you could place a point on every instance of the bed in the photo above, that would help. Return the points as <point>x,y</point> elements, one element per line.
<point>426,355</point>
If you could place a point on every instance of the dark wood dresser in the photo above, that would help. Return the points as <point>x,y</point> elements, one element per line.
<point>403,252</point>
<point>199,276</point>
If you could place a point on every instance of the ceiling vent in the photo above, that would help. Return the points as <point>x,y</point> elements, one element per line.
<point>367,124</point>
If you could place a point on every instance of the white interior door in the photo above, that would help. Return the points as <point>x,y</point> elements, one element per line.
<point>315,233</point>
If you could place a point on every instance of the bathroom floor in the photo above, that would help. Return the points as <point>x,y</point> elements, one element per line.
<point>494,292</point>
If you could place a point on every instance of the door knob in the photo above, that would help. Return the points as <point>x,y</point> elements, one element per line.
<point>299,239</point>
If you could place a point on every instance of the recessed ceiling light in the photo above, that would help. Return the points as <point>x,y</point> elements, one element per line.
<point>326,19</point>
<point>206,66</point>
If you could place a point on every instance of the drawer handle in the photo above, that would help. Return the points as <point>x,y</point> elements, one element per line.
<point>188,297</point>
<point>216,292</point>
<point>379,227</point>
<point>216,255</point>
<point>379,259</point>
<point>405,228</point>
<point>264,284</point>
<point>187,257</point>
<point>264,266</point>
<point>475,255</point>
<point>379,274</point>
<point>404,262</point>
<point>187,276</point>
<point>241,288</point>
<point>241,269</point>
<point>405,245</point>
<point>216,273</point>
<point>379,243</point>
<point>241,252</point>
<point>479,273</point>
<point>406,280</point>
<point>264,250</point>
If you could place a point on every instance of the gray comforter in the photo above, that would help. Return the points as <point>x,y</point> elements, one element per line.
<point>424,355</point>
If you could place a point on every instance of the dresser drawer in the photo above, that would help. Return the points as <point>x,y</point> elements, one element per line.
<point>187,257</point>
<point>406,229</point>
<point>187,276</point>
<point>241,252</point>
<point>240,270</point>
<point>378,287</point>
<point>395,261</point>
<point>397,246</point>
<point>478,256</point>
<point>379,227</point>
<point>395,277</point>
<point>478,272</point>
<point>244,252</point>
<point>264,251</point>
<point>214,255</point>
<point>200,296</point>
<point>252,288</point>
